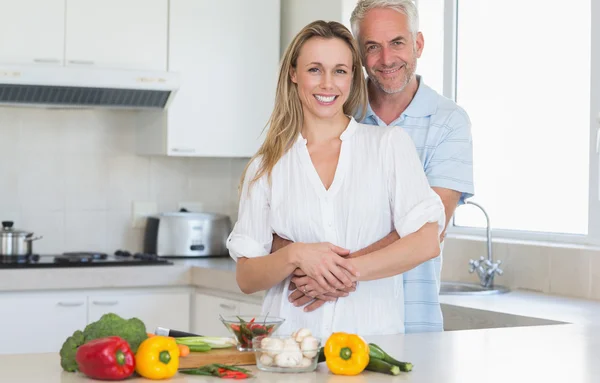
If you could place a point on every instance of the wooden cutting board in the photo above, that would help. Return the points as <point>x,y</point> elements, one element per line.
<point>229,356</point>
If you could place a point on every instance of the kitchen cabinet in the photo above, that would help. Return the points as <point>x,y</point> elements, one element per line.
<point>40,322</point>
<point>32,32</point>
<point>250,308</point>
<point>227,54</point>
<point>207,309</point>
<point>121,34</point>
<point>170,310</point>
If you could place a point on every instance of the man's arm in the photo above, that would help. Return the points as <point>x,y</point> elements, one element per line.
<point>450,200</point>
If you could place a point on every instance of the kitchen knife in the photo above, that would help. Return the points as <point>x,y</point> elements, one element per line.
<point>173,333</point>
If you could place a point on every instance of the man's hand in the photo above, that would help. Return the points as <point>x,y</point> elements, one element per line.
<point>308,286</point>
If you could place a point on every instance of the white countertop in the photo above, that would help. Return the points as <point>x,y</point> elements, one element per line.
<point>548,354</point>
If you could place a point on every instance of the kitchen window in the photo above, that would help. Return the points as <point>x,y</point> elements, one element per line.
<point>528,75</point>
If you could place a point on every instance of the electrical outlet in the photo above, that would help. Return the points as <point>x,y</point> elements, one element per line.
<point>191,206</point>
<point>140,211</point>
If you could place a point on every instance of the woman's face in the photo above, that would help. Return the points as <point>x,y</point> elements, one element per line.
<point>323,74</point>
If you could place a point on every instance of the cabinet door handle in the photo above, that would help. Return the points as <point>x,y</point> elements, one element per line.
<point>70,304</point>
<point>46,61</point>
<point>105,303</point>
<point>226,306</point>
<point>183,150</point>
<point>81,62</point>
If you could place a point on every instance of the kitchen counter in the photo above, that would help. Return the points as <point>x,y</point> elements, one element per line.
<point>558,353</point>
<point>218,275</point>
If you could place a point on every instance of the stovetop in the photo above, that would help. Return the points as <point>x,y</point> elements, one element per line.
<point>82,259</point>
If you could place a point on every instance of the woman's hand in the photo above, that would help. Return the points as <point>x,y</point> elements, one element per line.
<point>325,263</point>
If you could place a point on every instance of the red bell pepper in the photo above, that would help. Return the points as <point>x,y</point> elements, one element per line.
<point>107,358</point>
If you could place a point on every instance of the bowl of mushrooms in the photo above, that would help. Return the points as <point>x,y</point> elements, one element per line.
<point>298,352</point>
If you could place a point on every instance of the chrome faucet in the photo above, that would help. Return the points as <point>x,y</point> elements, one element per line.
<point>486,268</point>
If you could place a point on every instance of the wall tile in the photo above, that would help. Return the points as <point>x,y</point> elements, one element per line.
<point>84,135</point>
<point>168,182</point>
<point>41,131</point>
<point>594,274</point>
<point>128,181</point>
<point>527,267</point>
<point>49,225</point>
<point>209,182</point>
<point>41,183</point>
<point>456,256</point>
<point>72,175</point>
<point>120,235</point>
<point>569,272</point>
<point>86,231</point>
<point>86,182</point>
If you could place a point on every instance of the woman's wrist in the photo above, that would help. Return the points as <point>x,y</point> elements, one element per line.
<point>292,254</point>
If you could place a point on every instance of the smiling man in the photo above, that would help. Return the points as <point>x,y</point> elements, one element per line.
<point>390,42</point>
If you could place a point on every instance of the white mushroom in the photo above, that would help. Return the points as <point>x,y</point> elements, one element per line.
<point>290,345</point>
<point>288,358</point>
<point>301,334</point>
<point>272,346</point>
<point>266,360</point>
<point>305,362</point>
<point>310,346</point>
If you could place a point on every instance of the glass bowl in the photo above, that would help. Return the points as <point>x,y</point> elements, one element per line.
<point>271,357</point>
<point>245,328</point>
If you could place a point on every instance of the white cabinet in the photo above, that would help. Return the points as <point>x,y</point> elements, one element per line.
<point>227,53</point>
<point>207,309</point>
<point>122,34</point>
<point>118,34</point>
<point>34,322</point>
<point>32,31</point>
<point>170,310</point>
<point>40,322</point>
<point>250,308</point>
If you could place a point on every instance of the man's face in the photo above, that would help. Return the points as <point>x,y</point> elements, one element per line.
<point>389,50</point>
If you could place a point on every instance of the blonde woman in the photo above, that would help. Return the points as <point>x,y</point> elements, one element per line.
<point>332,186</point>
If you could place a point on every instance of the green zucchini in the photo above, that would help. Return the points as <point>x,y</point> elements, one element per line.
<point>378,365</point>
<point>376,352</point>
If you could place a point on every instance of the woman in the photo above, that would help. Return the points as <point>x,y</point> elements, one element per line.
<point>331,186</point>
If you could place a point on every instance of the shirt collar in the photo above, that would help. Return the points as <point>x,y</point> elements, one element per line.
<point>423,104</point>
<point>346,134</point>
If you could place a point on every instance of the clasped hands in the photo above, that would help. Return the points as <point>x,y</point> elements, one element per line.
<point>324,274</point>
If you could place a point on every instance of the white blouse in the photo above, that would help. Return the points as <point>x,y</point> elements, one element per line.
<point>379,186</point>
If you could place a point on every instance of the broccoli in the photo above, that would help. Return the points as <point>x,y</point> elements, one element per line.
<point>68,351</point>
<point>132,330</point>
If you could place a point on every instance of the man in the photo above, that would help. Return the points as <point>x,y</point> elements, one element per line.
<point>387,33</point>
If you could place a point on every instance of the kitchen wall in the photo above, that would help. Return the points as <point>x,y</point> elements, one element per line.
<point>72,175</point>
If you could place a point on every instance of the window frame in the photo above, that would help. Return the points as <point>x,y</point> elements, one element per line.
<point>449,90</point>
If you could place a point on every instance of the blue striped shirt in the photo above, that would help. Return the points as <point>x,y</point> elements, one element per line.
<point>441,131</point>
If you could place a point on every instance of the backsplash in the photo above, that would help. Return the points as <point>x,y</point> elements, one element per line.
<point>572,271</point>
<point>72,176</point>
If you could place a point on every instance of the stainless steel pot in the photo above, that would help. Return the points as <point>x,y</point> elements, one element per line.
<point>15,242</point>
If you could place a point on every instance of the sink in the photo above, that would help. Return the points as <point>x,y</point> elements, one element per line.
<point>458,288</point>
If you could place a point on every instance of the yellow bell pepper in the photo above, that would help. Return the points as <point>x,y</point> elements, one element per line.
<point>157,358</point>
<point>346,354</point>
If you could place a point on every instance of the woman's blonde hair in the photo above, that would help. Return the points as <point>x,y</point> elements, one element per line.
<point>287,118</point>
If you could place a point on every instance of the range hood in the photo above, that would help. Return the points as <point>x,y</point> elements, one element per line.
<point>75,87</point>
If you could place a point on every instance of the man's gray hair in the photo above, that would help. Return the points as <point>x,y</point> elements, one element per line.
<point>406,7</point>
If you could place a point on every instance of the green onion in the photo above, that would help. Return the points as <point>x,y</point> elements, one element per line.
<point>212,341</point>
